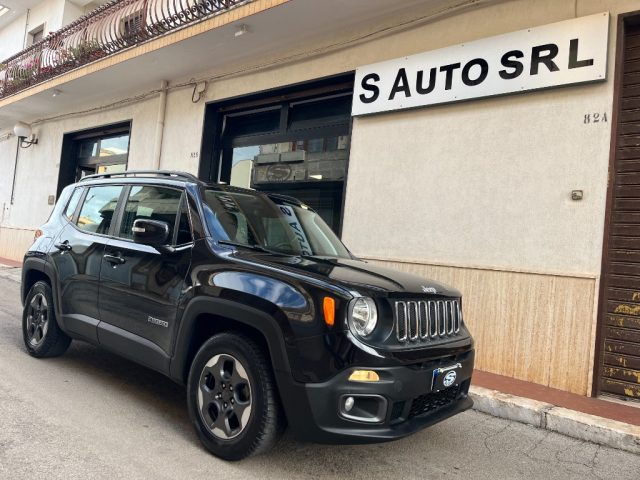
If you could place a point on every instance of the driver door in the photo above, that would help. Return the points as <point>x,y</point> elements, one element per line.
<point>140,287</point>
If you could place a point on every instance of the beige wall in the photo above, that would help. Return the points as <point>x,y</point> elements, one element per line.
<point>475,194</point>
<point>528,326</point>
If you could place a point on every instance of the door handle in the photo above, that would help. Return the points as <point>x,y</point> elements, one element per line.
<point>114,259</point>
<point>64,246</point>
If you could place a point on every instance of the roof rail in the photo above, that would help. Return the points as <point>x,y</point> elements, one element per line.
<point>135,173</point>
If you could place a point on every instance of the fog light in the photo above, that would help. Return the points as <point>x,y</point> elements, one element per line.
<point>348,404</point>
<point>364,376</point>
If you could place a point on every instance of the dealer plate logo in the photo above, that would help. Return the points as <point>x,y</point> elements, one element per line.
<point>449,378</point>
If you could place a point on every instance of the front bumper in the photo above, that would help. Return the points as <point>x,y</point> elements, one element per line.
<point>407,403</point>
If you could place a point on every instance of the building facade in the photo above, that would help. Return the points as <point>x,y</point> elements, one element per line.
<point>523,197</point>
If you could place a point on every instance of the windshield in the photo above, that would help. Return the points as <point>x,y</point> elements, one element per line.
<point>257,221</point>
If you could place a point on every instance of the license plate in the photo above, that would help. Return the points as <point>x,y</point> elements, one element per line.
<point>445,377</point>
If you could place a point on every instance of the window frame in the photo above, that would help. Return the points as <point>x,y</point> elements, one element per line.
<point>183,202</point>
<point>76,210</point>
<point>34,32</point>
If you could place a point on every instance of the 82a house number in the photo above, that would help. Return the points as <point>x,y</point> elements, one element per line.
<point>596,117</point>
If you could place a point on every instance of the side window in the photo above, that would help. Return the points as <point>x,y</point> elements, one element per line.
<point>73,203</point>
<point>184,228</point>
<point>98,208</point>
<point>152,203</point>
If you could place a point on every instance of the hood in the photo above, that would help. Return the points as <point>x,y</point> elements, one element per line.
<point>352,274</point>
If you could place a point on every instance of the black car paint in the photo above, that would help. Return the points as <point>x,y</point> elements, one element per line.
<point>277,295</point>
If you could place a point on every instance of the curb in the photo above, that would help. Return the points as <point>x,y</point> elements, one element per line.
<point>582,426</point>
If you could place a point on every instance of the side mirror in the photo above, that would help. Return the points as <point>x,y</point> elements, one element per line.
<point>150,232</point>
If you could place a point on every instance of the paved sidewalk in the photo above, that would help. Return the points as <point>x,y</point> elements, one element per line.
<point>595,420</point>
<point>589,419</point>
<point>10,269</point>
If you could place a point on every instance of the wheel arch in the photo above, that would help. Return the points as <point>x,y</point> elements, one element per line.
<point>205,317</point>
<point>33,270</point>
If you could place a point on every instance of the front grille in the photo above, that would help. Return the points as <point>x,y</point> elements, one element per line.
<point>427,319</point>
<point>432,401</point>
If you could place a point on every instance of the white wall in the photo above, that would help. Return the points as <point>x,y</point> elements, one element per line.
<point>37,172</point>
<point>71,12</point>
<point>7,156</point>
<point>12,37</point>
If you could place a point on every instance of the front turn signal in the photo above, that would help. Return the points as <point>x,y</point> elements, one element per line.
<point>329,310</point>
<point>364,376</point>
<point>37,234</point>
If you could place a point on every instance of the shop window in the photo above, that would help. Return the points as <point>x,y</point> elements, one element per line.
<point>294,143</point>
<point>313,160</point>
<point>327,111</point>
<point>254,123</point>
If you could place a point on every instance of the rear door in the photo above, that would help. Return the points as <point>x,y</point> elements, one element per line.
<point>140,286</point>
<point>77,256</point>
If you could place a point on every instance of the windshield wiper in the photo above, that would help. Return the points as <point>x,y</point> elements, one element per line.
<point>256,247</point>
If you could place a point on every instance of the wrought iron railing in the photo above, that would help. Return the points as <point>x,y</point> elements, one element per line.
<point>113,27</point>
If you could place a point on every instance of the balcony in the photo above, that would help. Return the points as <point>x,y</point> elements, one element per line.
<point>113,27</point>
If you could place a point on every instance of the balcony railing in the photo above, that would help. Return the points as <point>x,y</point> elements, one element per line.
<point>107,30</point>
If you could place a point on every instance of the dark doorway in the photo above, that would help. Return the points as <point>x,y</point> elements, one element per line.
<point>98,150</point>
<point>293,142</point>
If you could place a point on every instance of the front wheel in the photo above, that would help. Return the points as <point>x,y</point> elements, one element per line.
<point>232,397</point>
<point>40,331</point>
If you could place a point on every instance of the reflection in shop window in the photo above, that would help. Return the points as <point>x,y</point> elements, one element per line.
<point>114,146</point>
<point>313,160</point>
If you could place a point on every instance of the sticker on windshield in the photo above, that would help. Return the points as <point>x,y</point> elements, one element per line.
<point>295,224</point>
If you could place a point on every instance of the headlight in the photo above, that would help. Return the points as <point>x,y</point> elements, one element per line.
<point>363,316</point>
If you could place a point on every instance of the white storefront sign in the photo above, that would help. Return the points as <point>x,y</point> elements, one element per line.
<point>563,53</point>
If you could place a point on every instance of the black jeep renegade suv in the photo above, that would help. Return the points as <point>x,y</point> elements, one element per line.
<point>251,301</point>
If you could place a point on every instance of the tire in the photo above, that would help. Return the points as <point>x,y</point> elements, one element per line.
<point>40,331</point>
<point>232,398</point>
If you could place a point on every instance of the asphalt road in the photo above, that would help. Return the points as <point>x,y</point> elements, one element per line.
<point>90,414</point>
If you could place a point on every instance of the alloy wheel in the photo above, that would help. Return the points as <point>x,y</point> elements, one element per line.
<point>224,396</point>
<point>37,319</point>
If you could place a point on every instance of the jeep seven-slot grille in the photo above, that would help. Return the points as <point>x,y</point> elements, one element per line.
<point>422,320</point>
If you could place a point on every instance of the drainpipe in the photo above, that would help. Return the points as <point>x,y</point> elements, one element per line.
<point>162,108</point>
<point>15,171</point>
<point>26,29</point>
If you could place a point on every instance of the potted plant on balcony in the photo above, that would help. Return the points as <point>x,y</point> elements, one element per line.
<point>86,50</point>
